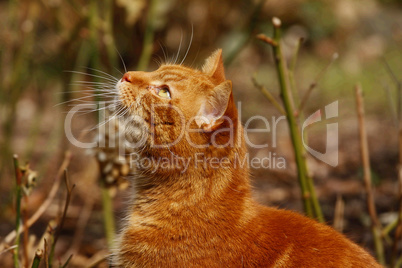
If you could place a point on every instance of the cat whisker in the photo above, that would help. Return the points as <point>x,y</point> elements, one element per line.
<point>189,46</point>
<point>93,90</point>
<point>88,91</point>
<point>196,55</point>
<point>114,80</point>
<point>101,91</point>
<point>102,72</point>
<point>94,86</point>
<point>158,61</point>
<point>86,97</point>
<point>178,51</point>
<point>103,123</point>
<point>97,110</point>
<point>110,80</point>
<point>127,110</point>
<point>118,71</point>
<point>93,83</point>
<point>122,61</point>
<point>74,100</point>
<point>163,51</point>
<point>91,102</point>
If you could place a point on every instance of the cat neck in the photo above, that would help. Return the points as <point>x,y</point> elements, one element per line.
<point>205,181</point>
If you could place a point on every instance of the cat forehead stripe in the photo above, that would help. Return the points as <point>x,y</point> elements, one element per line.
<point>172,76</point>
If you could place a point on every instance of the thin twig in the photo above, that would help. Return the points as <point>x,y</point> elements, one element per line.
<point>61,222</point>
<point>68,260</point>
<point>7,249</point>
<point>18,177</point>
<point>98,261</point>
<point>248,31</point>
<point>268,95</point>
<point>45,255</point>
<point>81,224</point>
<point>46,203</point>
<point>391,105</point>
<point>295,54</point>
<point>339,214</point>
<point>391,73</point>
<point>292,71</point>
<point>388,228</point>
<point>267,40</point>
<point>315,83</point>
<point>376,225</point>
<point>25,230</point>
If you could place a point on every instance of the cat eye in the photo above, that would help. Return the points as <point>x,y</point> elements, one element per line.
<point>163,92</point>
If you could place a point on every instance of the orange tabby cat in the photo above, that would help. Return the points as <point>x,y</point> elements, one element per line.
<point>193,206</point>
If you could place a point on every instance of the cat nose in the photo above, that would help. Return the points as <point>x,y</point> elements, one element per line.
<point>127,78</point>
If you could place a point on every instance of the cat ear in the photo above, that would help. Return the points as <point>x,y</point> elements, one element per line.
<point>214,107</point>
<point>213,66</point>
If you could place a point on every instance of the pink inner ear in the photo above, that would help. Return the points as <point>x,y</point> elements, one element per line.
<point>215,106</point>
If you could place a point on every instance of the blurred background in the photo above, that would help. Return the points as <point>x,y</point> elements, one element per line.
<point>42,40</point>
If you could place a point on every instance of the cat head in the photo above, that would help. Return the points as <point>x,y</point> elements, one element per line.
<point>179,105</point>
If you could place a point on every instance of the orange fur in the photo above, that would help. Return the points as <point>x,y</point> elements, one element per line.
<point>205,216</point>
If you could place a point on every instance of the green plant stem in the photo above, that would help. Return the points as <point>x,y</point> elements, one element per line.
<point>379,246</point>
<point>391,226</point>
<point>18,176</point>
<point>66,263</point>
<point>37,258</point>
<point>93,23</point>
<point>109,37</point>
<point>310,201</point>
<point>314,199</point>
<point>108,216</point>
<point>286,98</point>
<point>148,38</point>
